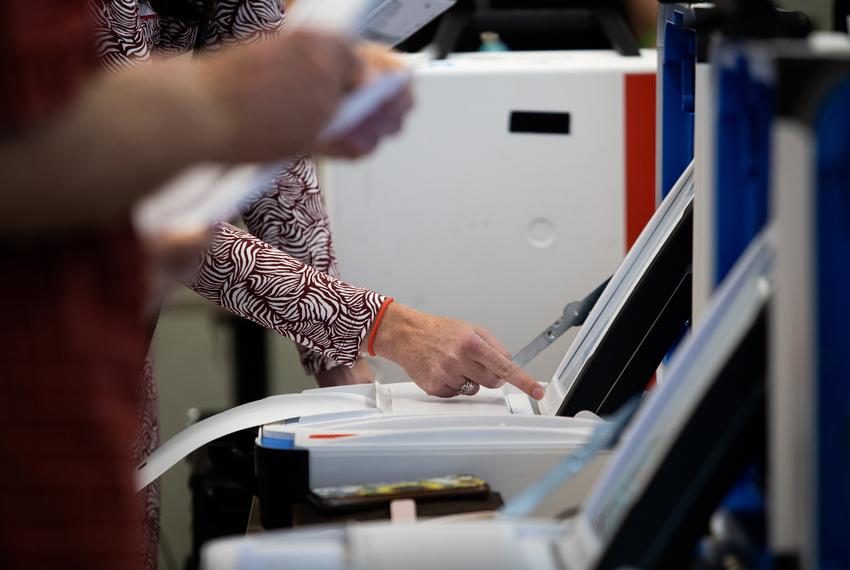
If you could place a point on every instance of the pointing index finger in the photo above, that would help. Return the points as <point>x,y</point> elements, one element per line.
<point>495,361</point>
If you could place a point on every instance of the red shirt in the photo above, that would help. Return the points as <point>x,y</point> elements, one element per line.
<point>47,51</point>
<point>72,339</point>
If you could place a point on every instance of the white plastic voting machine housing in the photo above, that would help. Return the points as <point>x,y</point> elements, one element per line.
<point>470,191</point>
<point>616,528</point>
<point>365,433</point>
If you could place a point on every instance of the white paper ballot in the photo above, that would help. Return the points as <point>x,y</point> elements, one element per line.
<point>384,21</point>
<point>404,399</point>
<point>253,414</point>
<point>201,196</point>
<point>363,102</point>
<point>388,22</point>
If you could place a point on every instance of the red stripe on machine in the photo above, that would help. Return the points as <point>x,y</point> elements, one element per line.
<point>331,435</point>
<point>640,153</point>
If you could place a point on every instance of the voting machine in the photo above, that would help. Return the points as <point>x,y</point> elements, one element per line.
<point>382,431</point>
<point>669,471</point>
<point>501,435</point>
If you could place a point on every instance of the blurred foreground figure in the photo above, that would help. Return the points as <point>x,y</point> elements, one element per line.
<point>73,163</point>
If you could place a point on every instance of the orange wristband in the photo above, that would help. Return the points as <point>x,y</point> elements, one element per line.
<point>374,333</point>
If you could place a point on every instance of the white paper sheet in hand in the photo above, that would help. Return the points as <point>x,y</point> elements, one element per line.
<point>363,102</point>
<point>200,196</point>
<point>205,194</point>
<point>388,22</point>
<point>383,21</point>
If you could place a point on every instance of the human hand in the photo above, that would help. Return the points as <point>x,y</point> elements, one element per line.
<point>387,120</point>
<point>441,354</point>
<point>360,373</point>
<point>272,98</point>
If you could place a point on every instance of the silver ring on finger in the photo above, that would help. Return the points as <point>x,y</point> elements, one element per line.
<point>467,387</point>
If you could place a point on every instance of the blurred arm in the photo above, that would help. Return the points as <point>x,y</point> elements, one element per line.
<point>128,133</point>
<point>66,173</point>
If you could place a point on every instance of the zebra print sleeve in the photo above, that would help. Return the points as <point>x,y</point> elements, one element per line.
<point>257,281</point>
<point>241,21</point>
<point>122,40</point>
<point>231,22</point>
<point>294,219</point>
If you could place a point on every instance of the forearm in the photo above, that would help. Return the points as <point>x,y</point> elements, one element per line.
<point>259,282</point>
<point>293,218</point>
<point>121,138</point>
<point>130,132</point>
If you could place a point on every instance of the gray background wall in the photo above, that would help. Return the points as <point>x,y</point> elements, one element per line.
<point>193,363</point>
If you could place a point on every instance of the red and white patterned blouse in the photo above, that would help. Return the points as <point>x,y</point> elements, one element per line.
<point>73,335</point>
<point>282,272</point>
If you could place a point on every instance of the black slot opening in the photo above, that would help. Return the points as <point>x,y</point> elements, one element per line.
<point>540,122</point>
